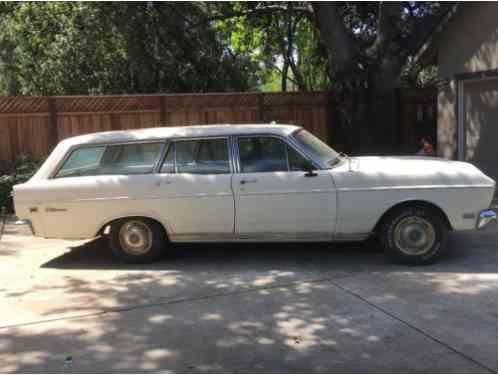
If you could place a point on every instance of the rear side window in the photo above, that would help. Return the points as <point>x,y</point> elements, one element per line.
<point>82,162</point>
<point>206,156</point>
<point>114,159</point>
<point>130,159</point>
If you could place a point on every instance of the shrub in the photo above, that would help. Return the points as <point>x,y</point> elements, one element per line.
<point>25,167</point>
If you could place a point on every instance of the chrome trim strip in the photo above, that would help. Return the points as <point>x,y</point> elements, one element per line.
<point>269,237</point>
<point>124,197</point>
<point>456,186</point>
<point>235,154</point>
<point>197,195</point>
<point>485,217</point>
<point>257,237</point>
<point>314,191</point>
<point>193,196</point>
<point>231,155</point>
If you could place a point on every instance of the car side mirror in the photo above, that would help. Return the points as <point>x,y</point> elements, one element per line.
<point>309,168</point>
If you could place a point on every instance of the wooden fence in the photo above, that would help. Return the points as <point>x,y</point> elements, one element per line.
<point>34,125</point>
<point>417,117</point>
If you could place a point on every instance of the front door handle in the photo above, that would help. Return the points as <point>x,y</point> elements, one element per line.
<point>252,181</point>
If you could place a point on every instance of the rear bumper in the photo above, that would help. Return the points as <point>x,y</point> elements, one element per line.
<point>28,223</point>
<point>485,217</point>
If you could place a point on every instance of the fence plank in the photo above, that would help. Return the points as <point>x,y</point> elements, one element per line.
<point>34,125</point>
<point>53,128</point>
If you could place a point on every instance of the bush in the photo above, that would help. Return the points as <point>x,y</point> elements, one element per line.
<point>25,167</point>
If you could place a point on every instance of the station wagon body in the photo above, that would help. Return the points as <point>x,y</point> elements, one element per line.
<point>246,183</point>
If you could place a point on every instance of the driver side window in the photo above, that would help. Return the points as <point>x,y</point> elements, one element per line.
<point>268,154</point>
<point>296,160</point>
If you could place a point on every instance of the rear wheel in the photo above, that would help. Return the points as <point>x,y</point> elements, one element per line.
<point>137,240</point>
<point>414,235</point>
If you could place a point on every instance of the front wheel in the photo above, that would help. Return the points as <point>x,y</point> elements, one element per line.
<point>414,235</point>
<point>137,240</point>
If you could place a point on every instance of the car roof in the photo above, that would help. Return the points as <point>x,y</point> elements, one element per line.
<point>160,133</point>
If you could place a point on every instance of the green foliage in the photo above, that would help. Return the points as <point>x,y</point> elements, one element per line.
<point>71,48</point>
<point>24,168</point>
<point>280,39</point>
<point>65,48</point>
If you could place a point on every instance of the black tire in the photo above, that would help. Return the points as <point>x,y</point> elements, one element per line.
<point>153,231</point>
<point>391,228</point>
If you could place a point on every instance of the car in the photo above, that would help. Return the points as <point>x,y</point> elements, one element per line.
<point>146,189</point>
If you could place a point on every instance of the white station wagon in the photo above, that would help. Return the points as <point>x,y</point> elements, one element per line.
<point>151,187</point>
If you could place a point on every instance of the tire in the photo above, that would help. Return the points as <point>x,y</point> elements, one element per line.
<point>137,240</point>
<point>414,235</point>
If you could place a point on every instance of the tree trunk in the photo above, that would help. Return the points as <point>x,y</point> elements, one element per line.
<point>370,120</point>
<point>285,72</point>
<point>366,95</point>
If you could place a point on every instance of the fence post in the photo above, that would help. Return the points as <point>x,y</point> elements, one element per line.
<point>398,134</point>
<point>53,133</point>
<point>162,108</point>
<point>261,108</point>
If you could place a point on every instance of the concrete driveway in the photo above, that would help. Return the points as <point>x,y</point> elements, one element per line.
<point>251,308</point>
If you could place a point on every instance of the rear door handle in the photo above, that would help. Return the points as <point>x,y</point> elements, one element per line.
<point>54,209</point>
<point>165,182</point>
<point>253,181</point>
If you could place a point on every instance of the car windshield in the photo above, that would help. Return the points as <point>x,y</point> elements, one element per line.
<point>316,148</point>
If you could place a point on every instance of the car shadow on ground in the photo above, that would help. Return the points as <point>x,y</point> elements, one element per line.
<point>366,255</point>
<point>96,254</point>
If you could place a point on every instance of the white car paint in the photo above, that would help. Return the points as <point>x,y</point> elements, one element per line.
<point>285,202</point>
<point>344,201</point>
<point>369,186</point>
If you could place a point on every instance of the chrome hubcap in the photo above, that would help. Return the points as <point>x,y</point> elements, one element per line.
<point>414,235</point>
<point>135,238</point>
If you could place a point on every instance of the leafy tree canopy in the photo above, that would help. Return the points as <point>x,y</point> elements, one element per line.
<point>112,48</point>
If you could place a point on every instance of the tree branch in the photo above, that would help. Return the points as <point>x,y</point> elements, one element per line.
<point>339,43</point>
<point>256,12</point>
<point>291,30</point>
<point>389,16</point>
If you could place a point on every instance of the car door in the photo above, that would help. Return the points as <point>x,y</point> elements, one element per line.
<point>275,197</point>
<point>194,185</point>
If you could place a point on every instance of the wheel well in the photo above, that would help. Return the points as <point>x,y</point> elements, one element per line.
<point>104,227</point>
<point>418,203</point>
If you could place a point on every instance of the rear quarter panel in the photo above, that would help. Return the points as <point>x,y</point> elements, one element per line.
<point>84,204</point>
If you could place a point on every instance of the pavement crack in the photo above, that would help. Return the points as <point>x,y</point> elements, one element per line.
<point>166,302</point>
<point>413,327</point>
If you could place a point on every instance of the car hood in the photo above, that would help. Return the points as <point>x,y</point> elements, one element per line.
<point>384,171</point>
